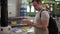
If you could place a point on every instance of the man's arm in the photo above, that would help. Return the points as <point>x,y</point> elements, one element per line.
<point>43,26</point>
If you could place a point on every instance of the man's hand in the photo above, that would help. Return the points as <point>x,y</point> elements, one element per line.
<point>29,23</point>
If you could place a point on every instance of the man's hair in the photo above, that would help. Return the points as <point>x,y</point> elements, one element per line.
<point>37,1</point>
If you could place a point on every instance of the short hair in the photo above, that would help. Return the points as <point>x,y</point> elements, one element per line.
<point>37,1</point>
<point>47,7</point>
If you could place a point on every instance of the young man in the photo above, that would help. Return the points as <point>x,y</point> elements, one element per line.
<point>40,22</point>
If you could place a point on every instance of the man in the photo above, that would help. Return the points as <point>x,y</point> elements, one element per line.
<point>41,21</point>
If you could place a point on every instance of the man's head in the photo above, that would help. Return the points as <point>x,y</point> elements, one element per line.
<point>37,4</point>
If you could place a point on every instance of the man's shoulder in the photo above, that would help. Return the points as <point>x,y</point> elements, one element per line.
<point>44,11</point>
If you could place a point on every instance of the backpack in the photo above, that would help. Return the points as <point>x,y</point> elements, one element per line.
<point>52,26</point>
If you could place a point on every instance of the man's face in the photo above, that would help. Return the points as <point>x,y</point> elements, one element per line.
<point>36,5</point>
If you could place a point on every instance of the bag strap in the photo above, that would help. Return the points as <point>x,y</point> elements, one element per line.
<point>41,12</point>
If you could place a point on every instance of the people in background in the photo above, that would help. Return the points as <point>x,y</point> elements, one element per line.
<point>50,10</point>
<point>41,19</point>
<point>47,8</point>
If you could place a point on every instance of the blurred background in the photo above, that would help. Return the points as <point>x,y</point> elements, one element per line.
<point>19,10</point>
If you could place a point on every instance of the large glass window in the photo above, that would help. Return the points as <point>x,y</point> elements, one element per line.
<point>28,8</point>
<point>32,9</point>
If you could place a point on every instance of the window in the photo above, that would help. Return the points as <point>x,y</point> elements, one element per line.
<point>28,8</point>
<point>57,0</point>
<point>32,9</point>
<point>36,11</point>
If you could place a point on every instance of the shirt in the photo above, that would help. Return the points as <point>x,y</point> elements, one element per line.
<point>44,16</point>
